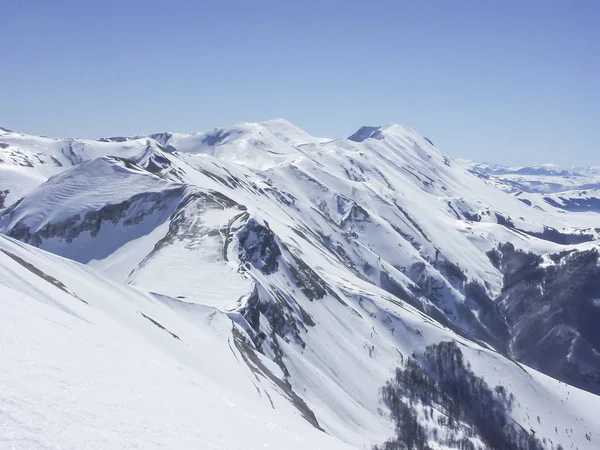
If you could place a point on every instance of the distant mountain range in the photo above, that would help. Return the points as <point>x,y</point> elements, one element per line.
<point>543,178</point>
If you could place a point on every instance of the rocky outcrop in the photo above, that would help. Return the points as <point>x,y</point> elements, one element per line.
<point>258,247</point>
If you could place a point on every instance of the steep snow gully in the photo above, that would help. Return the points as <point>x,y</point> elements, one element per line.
<point>257,287</point>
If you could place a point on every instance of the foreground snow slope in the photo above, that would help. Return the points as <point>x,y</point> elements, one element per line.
<point>87,364</point>
<point>299,272</point>
<point>97,364</point>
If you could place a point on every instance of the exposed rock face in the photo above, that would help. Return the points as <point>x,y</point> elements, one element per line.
<point>260,250</point>
<point>3,195</point>
<point>259,247</point>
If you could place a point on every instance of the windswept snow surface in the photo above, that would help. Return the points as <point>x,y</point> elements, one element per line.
<point>26,161</point>
<point>254,285</point>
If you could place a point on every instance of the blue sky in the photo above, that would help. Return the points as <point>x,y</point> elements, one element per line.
<point>513,82</point>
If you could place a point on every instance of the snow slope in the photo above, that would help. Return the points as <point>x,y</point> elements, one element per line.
<point>87,365</point>
<point>27,161</point>
<point>78,344</point>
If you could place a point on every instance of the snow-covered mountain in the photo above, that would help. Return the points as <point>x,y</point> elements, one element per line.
<point>352,285</point>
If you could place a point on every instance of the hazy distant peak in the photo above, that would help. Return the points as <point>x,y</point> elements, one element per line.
<point>278,121</point>
<point>289,133</point>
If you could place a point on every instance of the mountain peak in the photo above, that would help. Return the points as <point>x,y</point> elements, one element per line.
<point>289,133</point>
<point>379,132</point>
<point>367,132</point>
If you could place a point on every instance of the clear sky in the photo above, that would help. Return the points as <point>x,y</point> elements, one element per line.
<point>504,81</point>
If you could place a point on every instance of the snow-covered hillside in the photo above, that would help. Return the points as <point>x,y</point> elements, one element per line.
<point>258,265</point>
<point>89,363</point>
